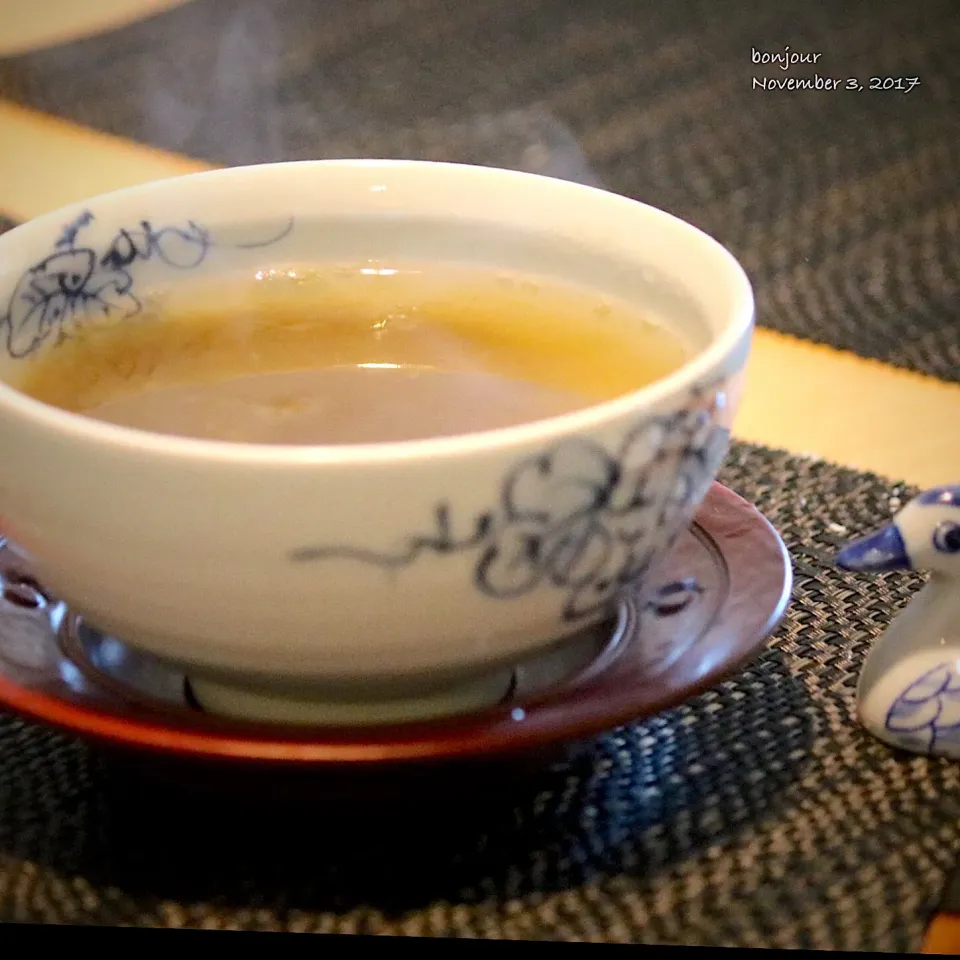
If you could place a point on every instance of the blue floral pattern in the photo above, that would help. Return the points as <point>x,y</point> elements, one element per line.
<point>577,517</point>
<point>78,282</point>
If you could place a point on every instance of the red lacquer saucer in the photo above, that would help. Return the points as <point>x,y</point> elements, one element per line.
<point>722,590</point>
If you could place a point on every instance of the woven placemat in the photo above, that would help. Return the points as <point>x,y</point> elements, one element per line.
<point>843,205</point>
<point>758,814</point>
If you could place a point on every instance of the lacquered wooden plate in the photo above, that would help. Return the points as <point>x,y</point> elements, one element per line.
<point>722,590</point>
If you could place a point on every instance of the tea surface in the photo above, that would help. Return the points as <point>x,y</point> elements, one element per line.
<point>348,353</point>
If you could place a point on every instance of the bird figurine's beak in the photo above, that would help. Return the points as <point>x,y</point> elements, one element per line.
<point>883,550</point>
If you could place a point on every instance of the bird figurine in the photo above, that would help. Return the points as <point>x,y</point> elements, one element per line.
<point>908,693</point>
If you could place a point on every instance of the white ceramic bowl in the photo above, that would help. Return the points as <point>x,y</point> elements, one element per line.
<point>276,575</point>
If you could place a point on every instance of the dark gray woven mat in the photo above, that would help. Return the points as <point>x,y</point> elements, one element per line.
<point>758,814</point>
<point>844,206</point>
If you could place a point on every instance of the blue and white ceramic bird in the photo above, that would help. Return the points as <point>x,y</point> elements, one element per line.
<point>908,693</point>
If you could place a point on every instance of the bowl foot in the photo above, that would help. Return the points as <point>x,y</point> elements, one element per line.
<point>269,705</point>
<point>135,675</point>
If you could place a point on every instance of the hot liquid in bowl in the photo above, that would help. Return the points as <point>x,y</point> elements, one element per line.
<point>341,353</point>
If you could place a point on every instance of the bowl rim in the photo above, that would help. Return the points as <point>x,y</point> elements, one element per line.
<point>697,372</point>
